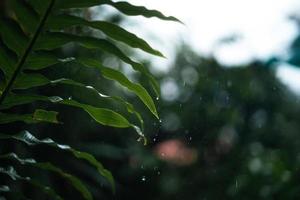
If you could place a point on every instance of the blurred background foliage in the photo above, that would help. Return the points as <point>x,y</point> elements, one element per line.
<point>225,133</point>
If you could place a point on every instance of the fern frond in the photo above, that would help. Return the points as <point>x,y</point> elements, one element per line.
<point>31,34</point>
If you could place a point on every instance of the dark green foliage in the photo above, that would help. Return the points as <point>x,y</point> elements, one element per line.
<point>32,33</point>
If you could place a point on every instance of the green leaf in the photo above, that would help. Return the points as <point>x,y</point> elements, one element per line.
<point>25,51</point>
<point>132,10</point>
<point>39,6</point>
<point>11,172</point>
<point>31,140</point>
<point>55,40</point>
<point>26,16</point>
<point>130,108</point>
<point>38,116</point>
<point>15,100</point>
<point>12,36</point>
<point>73,180</point>
<point>115,75</point>
<point>47,190</point>
<point>25,81</point>
<point>122,6</point>
<point>45,116</point>
<point>6,118</point>
<point>101,115</point>
<point>59,22</point>
<point>41,60</point>
<point>96,113</point>
<point>7,61</point>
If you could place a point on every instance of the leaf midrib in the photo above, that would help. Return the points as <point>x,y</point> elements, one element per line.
<point>27,51</point>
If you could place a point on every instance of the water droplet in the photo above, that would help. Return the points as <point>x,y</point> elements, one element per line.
<point>143,178</point>
<point>55,99</point>
<point>158,172</point>
<point>160,121</point>
<point>70,98</point>
<point>157,98</point>
<point>154,139</point>
<point>190,138</point>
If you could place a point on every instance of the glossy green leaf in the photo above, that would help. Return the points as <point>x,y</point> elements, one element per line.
<point>101,115</point>
<point>122,6</point>
<point>31,140</point>
<point>115,75</point>
<point>59,22</point>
